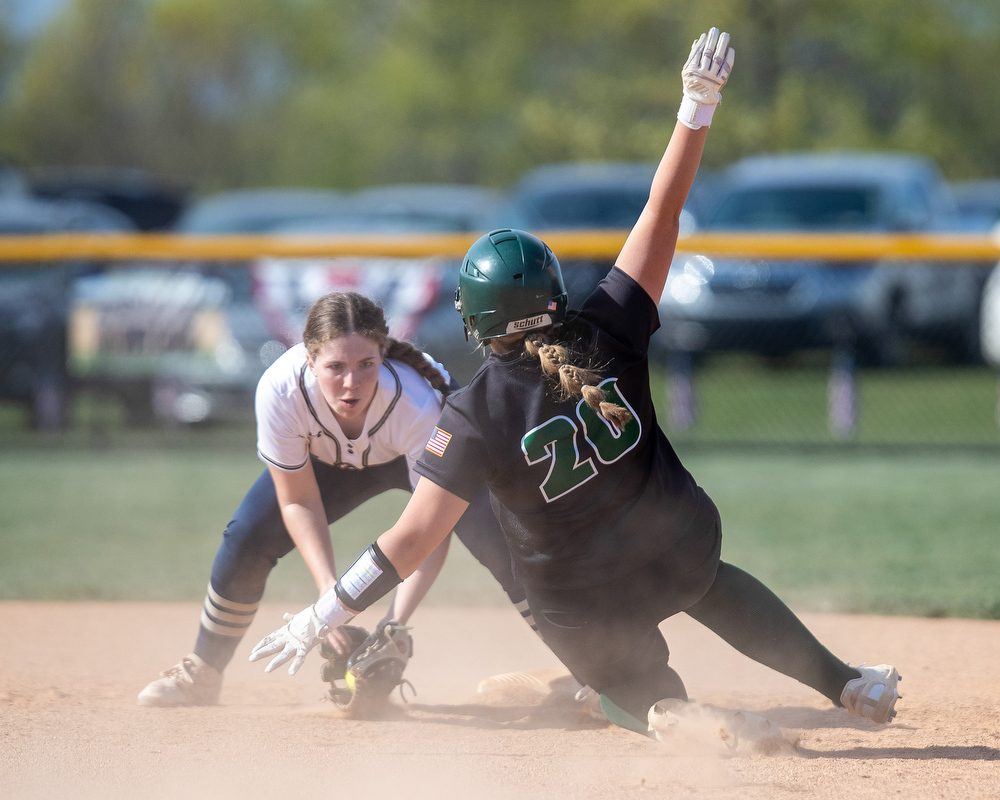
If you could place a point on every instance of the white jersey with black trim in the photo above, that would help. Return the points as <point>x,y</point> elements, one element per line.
<point>294,420</point>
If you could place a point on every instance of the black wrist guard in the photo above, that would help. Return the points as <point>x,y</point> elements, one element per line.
<point>367,580</point>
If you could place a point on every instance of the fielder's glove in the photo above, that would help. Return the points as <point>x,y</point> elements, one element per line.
<point>301,634</point>
<point>705,73</point>
<point>360,684</point>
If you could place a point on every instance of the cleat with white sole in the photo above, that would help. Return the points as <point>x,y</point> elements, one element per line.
<point>874,694</point>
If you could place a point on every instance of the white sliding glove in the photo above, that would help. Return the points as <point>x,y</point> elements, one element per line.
<point>301,634</point>
<point>705,73</point>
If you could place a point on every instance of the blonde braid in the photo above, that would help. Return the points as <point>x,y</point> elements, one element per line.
<point>408,354</point>
<point>575,381</point>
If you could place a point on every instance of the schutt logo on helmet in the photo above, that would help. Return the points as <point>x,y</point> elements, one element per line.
<point>527,324</point>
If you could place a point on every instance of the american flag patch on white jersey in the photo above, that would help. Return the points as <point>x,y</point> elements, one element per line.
<point>438,442</point>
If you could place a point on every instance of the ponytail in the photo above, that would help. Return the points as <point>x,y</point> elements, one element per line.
<point>408,354</point>
<point>574,381</point>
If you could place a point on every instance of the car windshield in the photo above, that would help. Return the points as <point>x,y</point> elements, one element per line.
<point>594,208</point>
<point>793,208</point>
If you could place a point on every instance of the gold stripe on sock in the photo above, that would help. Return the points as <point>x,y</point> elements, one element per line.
<point>230,605</point>
<point>222,630</point>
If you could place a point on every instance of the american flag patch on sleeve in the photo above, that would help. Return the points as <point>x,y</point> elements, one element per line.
<point>438,442</point>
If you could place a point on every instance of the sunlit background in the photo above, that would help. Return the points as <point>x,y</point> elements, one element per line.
<point>841,413</point>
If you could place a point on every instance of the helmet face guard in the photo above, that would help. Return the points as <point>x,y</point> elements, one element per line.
<point>509,282</point>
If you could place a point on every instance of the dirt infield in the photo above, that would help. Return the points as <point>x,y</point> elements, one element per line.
<point>70,728</point>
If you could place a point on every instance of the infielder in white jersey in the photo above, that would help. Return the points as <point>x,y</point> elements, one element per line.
<point>341,418</point>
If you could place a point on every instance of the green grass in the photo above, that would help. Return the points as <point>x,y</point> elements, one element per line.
<point>913,533</point>
<point>877,524</point>
<point>134,524</point>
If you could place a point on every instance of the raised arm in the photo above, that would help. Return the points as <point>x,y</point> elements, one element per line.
<point>649,249</point>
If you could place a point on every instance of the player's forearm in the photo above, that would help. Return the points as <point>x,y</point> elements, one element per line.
<point>675,174</point>
<point>308,530</point>
<point>429,516</point>
<point>426,521</point>
<point>650,246</point>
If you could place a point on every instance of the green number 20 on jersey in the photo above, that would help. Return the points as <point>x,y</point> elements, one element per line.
<point>556,439</point>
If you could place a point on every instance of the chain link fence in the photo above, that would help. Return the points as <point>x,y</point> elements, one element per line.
<point>757,384</point>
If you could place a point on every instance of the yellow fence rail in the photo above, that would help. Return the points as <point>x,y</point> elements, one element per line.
<point>845,247</point>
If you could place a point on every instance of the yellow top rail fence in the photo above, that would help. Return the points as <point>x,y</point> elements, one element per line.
<point>843,247</point>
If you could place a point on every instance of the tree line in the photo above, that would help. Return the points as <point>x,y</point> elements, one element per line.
<point>345,93</point>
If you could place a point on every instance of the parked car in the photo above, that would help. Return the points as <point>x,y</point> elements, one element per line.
<point>979,201</point>
<point>255,210</point>
<point>12,181</point>
<point>579,195</point>
<point>34,306</point>
<point>990,318</point>
<point>151,203</point>
<point>876,308</point>
<point>418,294</point>
<point>183,343</point>
<point>441,207</point>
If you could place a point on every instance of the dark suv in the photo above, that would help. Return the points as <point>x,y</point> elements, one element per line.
<point>35,305</point>
<point>579,195</point>
<point>876,308</point>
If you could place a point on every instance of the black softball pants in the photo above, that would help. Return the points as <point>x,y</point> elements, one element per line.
<point>609,635</point>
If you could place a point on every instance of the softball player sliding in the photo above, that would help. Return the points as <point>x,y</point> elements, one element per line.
<point>609,532</point>
<point>341,418</point>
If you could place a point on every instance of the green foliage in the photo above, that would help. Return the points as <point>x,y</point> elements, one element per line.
<point>345,92</point>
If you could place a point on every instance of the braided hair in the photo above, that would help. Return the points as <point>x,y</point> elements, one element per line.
<point>340,314</point>
<point>574,379</point>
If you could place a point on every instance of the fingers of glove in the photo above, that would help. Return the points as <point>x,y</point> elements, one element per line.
<point>298,661</point>
<point>727,65</point>
<point>268,646</point>
<point>708,54</point>
<point>721,53</point>
<point>694,57</point>
<point>288,652</point>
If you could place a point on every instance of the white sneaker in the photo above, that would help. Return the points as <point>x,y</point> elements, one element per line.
<point>874,694</point>
<point>190,682</point>
<point>697,725</point>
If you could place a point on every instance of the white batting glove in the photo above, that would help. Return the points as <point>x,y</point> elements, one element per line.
<point>301,634</point>
<point>705,73</point>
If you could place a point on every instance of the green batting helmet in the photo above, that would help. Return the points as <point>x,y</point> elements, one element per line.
<point>510,282</point>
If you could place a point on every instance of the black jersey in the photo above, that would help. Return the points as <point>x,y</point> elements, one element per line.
<point>580,502</point>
